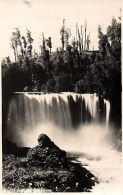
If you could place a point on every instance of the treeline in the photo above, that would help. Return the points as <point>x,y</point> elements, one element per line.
<point>23,45</point>
<point>70,68</point>
<point>46,71</point>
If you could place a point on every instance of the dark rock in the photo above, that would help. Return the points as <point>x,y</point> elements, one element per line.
<point>11,148</point>
<point>44,140</point>
<point>46,154</point>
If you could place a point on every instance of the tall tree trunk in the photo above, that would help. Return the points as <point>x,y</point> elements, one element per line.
<point>21,47</point>
<point>15,54</point>
<point>85,35</point>
<point>81,38</point>
<point>76,36</point>
<point>63,42</point>
<point>85,41</point>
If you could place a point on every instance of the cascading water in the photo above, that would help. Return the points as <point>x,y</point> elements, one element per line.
<point>66,111</point>
<point>78,123</point>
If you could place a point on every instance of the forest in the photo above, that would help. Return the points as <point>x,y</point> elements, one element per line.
<point>72,67</point>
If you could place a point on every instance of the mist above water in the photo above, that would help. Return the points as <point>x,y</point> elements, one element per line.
<point>70,120</point>
<point>75,122</point>
<point>89,139</point>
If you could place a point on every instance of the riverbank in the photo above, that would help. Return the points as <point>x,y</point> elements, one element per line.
<point>17,177</point>
<point>45,168</point>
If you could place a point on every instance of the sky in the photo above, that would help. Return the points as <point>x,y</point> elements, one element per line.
<point>47,15</point>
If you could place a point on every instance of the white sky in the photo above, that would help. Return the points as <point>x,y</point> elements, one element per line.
<point>47,16</point>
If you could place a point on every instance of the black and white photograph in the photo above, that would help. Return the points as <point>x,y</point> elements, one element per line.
<point>61,96</point>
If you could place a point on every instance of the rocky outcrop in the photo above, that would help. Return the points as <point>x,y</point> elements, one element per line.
<point>46,154</point>
<point>45,168</point>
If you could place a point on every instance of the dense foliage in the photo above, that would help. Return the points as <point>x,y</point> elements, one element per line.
<point>45,166</point>
<point>70,68</point>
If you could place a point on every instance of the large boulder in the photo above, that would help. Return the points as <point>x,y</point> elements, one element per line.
<point>46,154</point>
<point>44,140</point>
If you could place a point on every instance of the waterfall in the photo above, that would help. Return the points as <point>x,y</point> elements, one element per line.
<point>77,123</point>
<point>64,112</point>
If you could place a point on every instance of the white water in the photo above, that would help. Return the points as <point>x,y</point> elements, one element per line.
<point>108,170</point>
<point>53,114</point>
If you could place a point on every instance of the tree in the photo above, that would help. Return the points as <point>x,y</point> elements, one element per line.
<point>62,83</point>
<point>67,36</point>
<point>43,46</point>
<point>18,35</point>
<point>81,38</point>
<point>88,41</point>
<point>14,47</point>
<point>74,43</point>
<point>19,44</point>
<point>85,35</point>
<point>24,45</point>
<point>30,41</point>
<point>114,39</point>
<point>14,44</point>
<point>77,36</point>
<point>49,43</point>
<point>103,41</point>
<point>107,70</point>
<point>62,32</point>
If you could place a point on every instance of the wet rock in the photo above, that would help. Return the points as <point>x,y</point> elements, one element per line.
<point>46,154</point>
<point>44,140</point>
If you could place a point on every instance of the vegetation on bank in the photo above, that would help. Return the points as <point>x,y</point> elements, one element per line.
<point>45,167</point>
<point>70,68</point>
